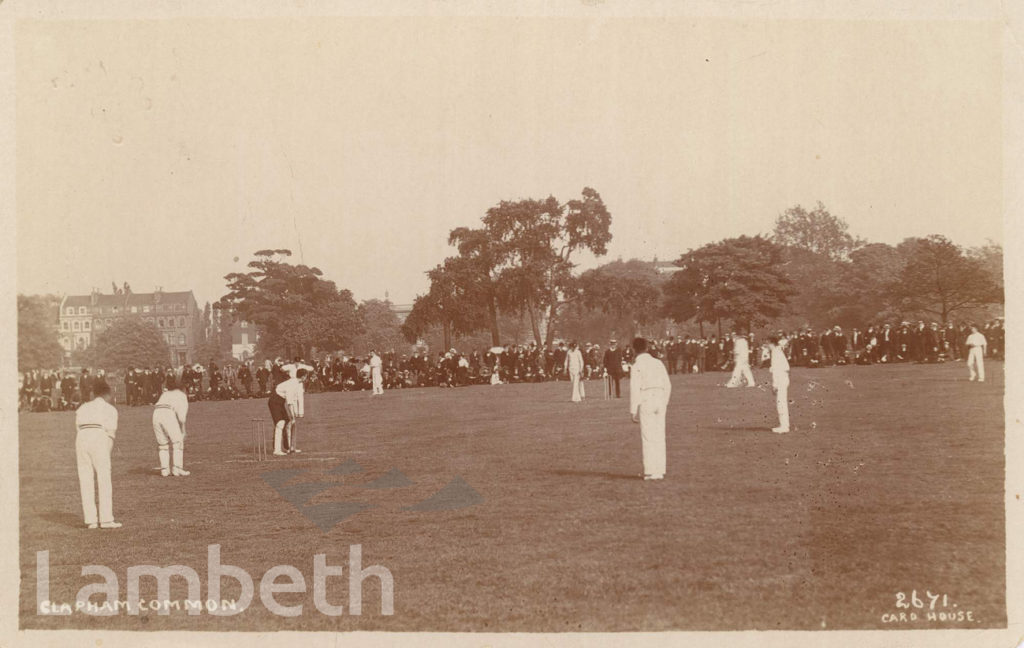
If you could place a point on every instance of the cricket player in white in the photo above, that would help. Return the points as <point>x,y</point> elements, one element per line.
<point>780,382</point>
<point>976,344</point>
<point>741,363</point>
<point>96,422</point>
<point>289,392</point>
<point>574,367</point>
<point>649,392</point>
<point>293,370</point>
<point>169,416</point>
<point>376,368</point>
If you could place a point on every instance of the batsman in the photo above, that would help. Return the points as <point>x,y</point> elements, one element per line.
<point>169,416</point>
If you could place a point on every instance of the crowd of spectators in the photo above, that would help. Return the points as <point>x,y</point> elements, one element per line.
<point>887,343</point>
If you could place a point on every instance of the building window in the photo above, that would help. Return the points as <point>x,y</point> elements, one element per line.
<point>135,309</point>
<point>160,322</point>
<point>85,325</point>
<point>64,326</point>
<point>77,326</point>
<point>181,339</point>
<point>145,309</point>
<point>181,322</point>
<point>81,310</point>
<point>69,310</point>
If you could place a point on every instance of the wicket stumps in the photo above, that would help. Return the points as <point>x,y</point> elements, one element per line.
<point>258,434</point>
<point>607,386</point>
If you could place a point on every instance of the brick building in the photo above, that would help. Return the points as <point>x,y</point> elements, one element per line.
<point>175,314</point>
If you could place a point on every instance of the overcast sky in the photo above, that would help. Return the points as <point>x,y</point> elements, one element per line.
<point>157,152</point>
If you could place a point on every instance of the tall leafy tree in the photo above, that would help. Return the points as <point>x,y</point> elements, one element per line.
<point>627,296</point>
<point>295,308</point>
<point>865,287</point>
<point>456,302</point>
<point>476,277</point>
<point>816,231</point>
<point>820,278</point>
<point>129,342</point>
<point>38,345</point>
<point>381,328</point>
<point>738,279</point>
<point>990,256</point>
<point>536,241</point>
<point>939,279</point>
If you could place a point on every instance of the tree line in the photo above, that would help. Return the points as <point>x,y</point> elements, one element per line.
<point>809,271</point>
<point>514,276</point>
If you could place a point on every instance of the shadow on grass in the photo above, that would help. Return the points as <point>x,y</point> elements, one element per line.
<point>63,519</point>
<point>585,473</point>
<point>139,470</point>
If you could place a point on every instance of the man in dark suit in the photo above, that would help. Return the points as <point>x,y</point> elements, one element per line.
<point>613,365</point>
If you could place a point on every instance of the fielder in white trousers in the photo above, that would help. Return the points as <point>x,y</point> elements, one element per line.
<point>96,422</point>
<point>741,363</point>
<point>574,367</point>
<point>976,344</point>
<point>376,375</point>
<point>780,383</point>
<point>649,393</point>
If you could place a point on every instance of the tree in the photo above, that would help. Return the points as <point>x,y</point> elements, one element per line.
<point>865,293</point>
<point>738,279</point>
<point>939,279</point>
<point>474,273</point>
<point>215,343</point>
<point>295,308</point>
<point>821,289</point>
<point>624,295</point>
<point>381,329</point>
<point>130,342</point>
<point>817,231</point>
<point>534,242</point>
<point>990,256</point>
<point>457,301</point>
<point>38,346</point>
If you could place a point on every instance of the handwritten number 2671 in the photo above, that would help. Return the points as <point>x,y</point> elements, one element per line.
<point>914,601</point>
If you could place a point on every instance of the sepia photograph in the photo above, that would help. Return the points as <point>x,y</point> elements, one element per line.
<point>547,318</point>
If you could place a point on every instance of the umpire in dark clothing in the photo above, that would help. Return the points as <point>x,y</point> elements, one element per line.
<point>613,365</point>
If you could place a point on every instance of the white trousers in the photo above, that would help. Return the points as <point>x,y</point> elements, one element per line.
<point>378,382</point>
<point>652,430</point>
<point>92,449</point>
<point>780,383</point>
<point>976,363</point>
<point>168,437</point>
<point>578,392</point>
<point>739,372</point>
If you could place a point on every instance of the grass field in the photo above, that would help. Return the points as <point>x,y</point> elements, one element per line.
<point>891,482</point>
